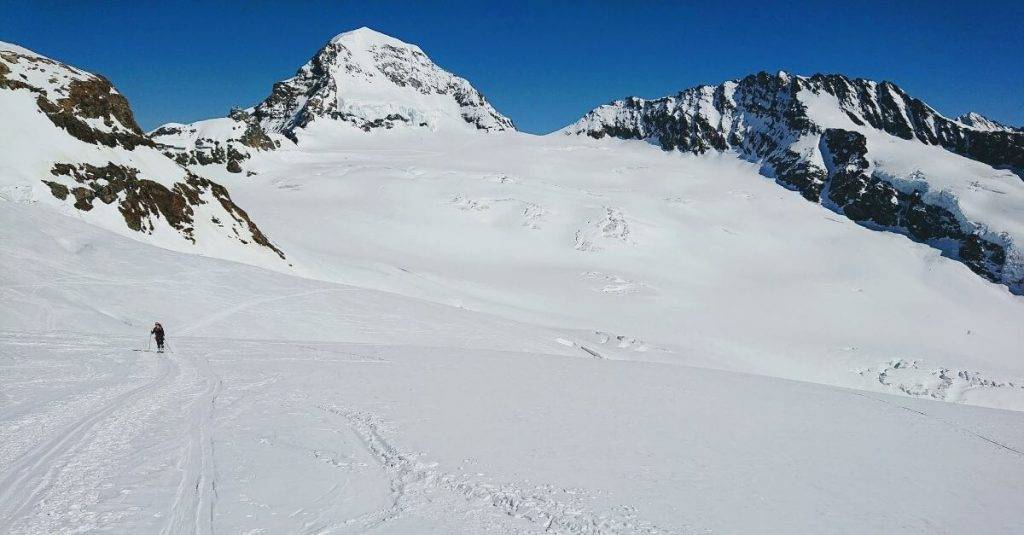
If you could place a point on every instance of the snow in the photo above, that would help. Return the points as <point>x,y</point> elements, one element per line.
<point>221,128</point>
<point>11,47</point>
<point>389,414</point>
<point>32,144</point>
<point>987,202</point>
<point>978,121</point>
<point>365,79</point>
<point>363,39</point>
<point>500,333</point>
<point>975,191</point>
<point>361,79</point>
<point>615,113</point>
<point>509,224</point>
